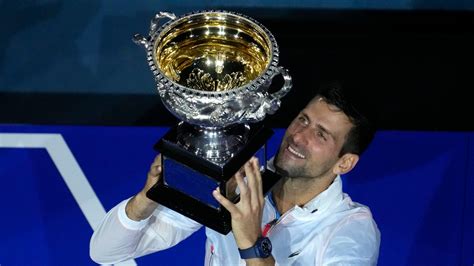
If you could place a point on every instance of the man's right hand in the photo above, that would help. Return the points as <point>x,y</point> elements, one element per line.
<point>140,206</point>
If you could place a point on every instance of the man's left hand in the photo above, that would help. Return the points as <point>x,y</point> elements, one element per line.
<point>247,213</point>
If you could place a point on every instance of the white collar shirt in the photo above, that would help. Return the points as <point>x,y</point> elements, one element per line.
<point>330,229</point>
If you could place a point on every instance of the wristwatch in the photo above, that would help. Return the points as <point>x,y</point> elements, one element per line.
<point>261,249</point>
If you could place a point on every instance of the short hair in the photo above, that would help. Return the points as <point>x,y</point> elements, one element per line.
<point>363,130</point>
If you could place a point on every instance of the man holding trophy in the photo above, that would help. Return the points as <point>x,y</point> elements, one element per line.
<point>213,70</point>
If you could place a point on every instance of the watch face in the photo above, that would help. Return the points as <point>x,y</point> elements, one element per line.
<point>261,249</point>
<point>266,247</point>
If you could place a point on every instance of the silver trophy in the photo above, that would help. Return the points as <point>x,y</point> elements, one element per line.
<point>213,70</point>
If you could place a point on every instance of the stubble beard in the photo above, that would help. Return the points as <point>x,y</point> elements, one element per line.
<point>289,171</point>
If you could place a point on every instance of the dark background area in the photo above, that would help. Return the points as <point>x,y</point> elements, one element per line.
<point>414,66</point>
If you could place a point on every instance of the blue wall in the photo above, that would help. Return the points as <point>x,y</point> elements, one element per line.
<point>419,186</point>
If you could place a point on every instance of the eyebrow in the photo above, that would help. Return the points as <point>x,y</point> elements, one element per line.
<point>319,126</point>
<point>325,131</point>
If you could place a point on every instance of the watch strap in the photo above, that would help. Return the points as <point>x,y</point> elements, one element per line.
<point>249,253</point>
<point>261,249</point>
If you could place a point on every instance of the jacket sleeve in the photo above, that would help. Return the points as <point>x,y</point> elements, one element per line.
<point>355,241</point>
<point>119,238</point>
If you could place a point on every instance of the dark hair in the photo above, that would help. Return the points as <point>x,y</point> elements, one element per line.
<point>359,113</point>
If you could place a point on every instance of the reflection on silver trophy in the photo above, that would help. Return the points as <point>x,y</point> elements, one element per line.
<point>213,70</point>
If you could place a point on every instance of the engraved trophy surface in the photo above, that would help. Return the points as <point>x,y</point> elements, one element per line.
<point>213,70</point>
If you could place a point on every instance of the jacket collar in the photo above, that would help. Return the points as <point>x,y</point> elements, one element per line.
<point>324,201</point>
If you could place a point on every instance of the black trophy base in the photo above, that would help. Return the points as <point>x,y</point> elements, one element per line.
<point>188,179</point>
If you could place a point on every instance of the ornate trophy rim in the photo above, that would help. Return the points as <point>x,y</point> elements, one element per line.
<point>163,80</point>
<point>237,101</point>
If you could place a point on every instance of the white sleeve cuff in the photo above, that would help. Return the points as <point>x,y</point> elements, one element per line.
<point>127,222</point>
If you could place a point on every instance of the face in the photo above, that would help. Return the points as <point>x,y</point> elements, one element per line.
<point>312,142</point>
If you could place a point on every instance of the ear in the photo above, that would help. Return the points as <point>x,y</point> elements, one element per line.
<point>345,164</point>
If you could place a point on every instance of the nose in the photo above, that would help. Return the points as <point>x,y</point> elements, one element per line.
<point>300,136</point>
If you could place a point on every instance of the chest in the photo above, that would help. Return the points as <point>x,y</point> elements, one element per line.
<point>298,237</point>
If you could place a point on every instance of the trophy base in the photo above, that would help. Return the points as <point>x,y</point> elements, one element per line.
<point>188,178</point>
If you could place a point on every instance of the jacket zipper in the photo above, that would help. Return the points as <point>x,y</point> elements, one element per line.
<point>269,226</point>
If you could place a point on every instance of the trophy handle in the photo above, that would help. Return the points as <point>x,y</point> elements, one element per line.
<point>145,41</point>
<point>155,21</point>
<point>273,100</point>
<point>286,85</point>
<point>269,102</point>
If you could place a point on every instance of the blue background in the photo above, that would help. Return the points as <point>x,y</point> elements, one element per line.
<point>419,186</point>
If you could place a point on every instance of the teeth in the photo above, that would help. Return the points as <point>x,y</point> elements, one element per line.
<point>295,152</point>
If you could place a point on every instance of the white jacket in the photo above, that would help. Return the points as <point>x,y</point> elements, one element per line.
<point>331,229</point>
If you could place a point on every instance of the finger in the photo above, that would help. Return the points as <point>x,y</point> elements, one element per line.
<point>231,188</point>
<point>233,210</point>
<point>156,160</point>
<point>256,170</point>
<point>155,168</point>
<point>243,188</point>
<point>252,184</point>
<point>258,179</point>
<point>242,171</point>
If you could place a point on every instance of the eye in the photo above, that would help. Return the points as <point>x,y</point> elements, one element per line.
<point>303,120</point>
<point>321,135</point>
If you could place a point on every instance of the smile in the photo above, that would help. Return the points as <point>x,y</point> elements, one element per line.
<point>294,152</point>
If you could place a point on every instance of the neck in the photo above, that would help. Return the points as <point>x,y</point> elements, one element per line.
<point>298,191</point>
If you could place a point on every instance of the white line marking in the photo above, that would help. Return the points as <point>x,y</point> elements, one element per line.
<point>69,169</point>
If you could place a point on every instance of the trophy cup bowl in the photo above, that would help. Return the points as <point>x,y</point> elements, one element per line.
<point>213,70</point>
